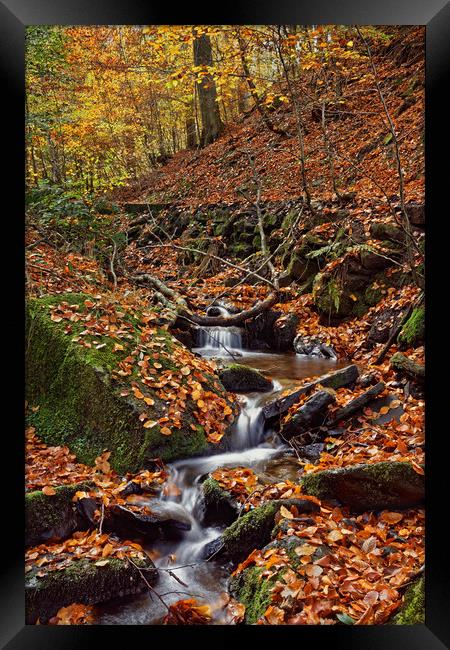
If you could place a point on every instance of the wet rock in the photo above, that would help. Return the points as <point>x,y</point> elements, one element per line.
<point>243,379</point>
<point>185,338</point>
<point>252,530</point>
<point>337,379</point>
<point>260,329</point>
<point>83,582</point>
<point>217,505</point>
<point>275,470</point>
<point>387,485</point>
<point>393,414</point>
<point>311,414</point>
<point>284,332</point>
<point>57,516</point>
<point>357,403</point>
<point>313,346</point>
<point>166,520</point>
<point>310,452</point>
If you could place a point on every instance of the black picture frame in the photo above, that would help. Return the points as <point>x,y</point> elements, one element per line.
<point>15,15</point>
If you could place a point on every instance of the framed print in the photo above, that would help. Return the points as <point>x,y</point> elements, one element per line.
<point>231,227</point>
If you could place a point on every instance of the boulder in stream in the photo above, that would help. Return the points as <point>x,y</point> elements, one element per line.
<point>84,581</point>
<point>252,530</point>
<point>156,520</point>
<point>243,379</point>
<point>380,486</point>
<point>217,506</point>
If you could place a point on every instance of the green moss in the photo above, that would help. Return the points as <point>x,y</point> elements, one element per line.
<point>213,492</point>
<point>51,515</point>
<point>82,582</point>
<point>80,403</point>
<point>250,531</point>
<point>413,331</point>
<point>368,487</point>
<point>253,590</point>
<point>412,611</point>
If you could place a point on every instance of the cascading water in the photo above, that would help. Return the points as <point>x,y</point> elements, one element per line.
<point>219,341</point>
<point>249,447</point>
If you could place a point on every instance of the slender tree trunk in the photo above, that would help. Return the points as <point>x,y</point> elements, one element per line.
<point>212,125</point>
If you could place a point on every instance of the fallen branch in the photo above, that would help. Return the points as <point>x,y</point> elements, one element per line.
<point>235,319</point>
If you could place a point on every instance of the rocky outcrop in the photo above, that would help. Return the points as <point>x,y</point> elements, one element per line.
<point>284,332</point>
<point>387,485</point>
<point>243,379</point>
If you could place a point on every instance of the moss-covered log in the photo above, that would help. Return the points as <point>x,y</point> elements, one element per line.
<point>387,485</point>
<point>56,516</point>
<point>83,581</point>
<point>79,400</point>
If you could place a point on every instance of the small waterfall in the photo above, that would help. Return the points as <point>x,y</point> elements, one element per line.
<point>219,340</point>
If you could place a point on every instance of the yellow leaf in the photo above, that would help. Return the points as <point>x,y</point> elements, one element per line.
<point>284,512</point>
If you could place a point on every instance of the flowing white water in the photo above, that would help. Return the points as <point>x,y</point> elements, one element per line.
<point>249,448</point>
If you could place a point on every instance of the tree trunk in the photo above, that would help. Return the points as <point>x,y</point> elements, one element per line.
<point>212,125</point>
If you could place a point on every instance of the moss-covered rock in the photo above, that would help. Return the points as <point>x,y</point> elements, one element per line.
<point>405,366</point>
<point>413,331</point>
<point>412,610</point>
<point>217,504</point>
<point>83,581</point>
<point>330,297</point>
<point>387,485</point>
<point>387,231</point>
<point>79,400</point>
<point>252,530</point>
<point>239,378</point>
<point>253,590</point>
<point>55,516</point>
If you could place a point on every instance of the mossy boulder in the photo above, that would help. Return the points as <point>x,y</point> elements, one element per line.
<point>218,506</point>
<point>78,391</point>
<point>243,379</point>
<point>413,331</point>
<point>412,610</point>
<point>387,231</point>
<point>386,485</point>
<point>56,516</point>
<point>83,581</point>
<point>252,530</point>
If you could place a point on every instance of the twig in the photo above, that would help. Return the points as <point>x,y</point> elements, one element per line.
<point>112,263</point>
<point>149,585</point>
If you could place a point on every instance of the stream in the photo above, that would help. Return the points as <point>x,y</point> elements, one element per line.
<point>252,445</point>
